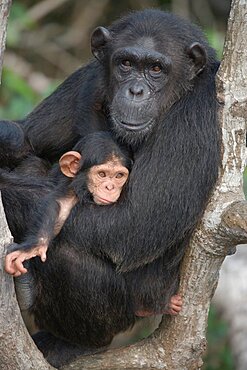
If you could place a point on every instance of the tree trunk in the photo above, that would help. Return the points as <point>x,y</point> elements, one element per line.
<point>180,342</point>
<point>4,13</point>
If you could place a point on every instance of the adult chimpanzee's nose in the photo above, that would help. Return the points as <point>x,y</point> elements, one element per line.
<point>136,91</point>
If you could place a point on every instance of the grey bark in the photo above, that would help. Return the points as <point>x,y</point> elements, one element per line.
<point>4,13</point>
<point>180,342</point>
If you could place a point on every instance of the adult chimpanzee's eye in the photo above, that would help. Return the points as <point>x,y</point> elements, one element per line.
<point>119,175</point>
<point>156,68</point>
<point>126,64</point>
<point>102,174</point>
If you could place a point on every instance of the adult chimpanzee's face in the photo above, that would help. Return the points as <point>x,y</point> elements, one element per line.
<point>138,80</point>
<point>146,75</point>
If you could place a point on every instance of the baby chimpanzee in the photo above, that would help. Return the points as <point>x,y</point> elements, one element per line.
<point>95,170</point>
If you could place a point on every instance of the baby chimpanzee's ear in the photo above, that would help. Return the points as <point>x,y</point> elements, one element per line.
<point>70,163</point>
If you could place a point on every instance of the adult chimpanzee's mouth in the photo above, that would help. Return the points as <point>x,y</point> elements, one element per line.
<point>133,126</point>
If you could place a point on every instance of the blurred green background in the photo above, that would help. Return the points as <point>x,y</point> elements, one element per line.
<point>49,39</point>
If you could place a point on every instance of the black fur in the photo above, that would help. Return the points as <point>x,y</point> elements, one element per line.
<point>108,262</point>
<point>95,149</point>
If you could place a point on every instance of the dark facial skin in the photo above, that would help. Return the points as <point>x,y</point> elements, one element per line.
<point>138,79</point>
<point>146,77</point>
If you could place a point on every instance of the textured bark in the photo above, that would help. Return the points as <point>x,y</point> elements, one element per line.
<point>180,342</point>
<point>4,13</point>
<point>231,294</point>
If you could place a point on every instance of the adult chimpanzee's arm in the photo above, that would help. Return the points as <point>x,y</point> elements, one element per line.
<point>55,125</point>
<point>13,146</point>
<point>125,235</point>
<point>67,114</point>
<point>168,188</point>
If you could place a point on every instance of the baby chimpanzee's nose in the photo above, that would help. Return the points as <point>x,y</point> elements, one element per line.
<point>109,186</point>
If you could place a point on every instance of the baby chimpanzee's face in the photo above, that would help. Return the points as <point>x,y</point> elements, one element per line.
<point>105,181</point>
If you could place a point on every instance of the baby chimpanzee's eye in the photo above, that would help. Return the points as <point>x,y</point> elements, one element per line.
<point>102,174</point>
<point>119,175</point>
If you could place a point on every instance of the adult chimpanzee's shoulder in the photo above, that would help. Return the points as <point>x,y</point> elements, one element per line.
<point>55,118</point>
<point>66,94</point>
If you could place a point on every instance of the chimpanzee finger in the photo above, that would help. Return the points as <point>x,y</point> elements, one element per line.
<point>9,263</point>
<point>19,265</point>
<point>17,274</point>
<point>43,256</point>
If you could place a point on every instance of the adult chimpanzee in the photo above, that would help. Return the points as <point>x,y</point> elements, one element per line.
<point>152,85</point>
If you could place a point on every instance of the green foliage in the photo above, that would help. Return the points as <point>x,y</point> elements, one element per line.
<point>218,356</point>
<point>18,20</point>
<point>216,40</point>
<point>17,96</point>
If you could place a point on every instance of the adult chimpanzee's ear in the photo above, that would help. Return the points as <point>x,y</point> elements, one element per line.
<point>199,57</point>
<point>70,163</point>
<point>99,39</point>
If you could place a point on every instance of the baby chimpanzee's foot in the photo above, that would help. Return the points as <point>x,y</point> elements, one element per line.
<point>175,305</point>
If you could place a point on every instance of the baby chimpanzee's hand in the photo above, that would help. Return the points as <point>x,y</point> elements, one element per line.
<point>15,258</point>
